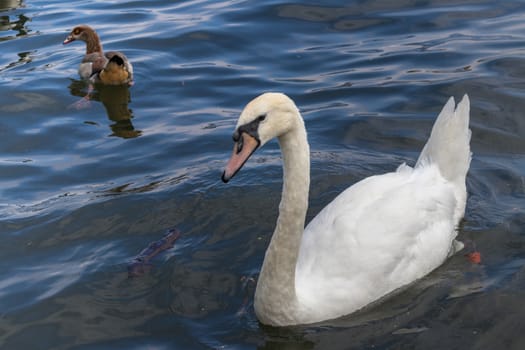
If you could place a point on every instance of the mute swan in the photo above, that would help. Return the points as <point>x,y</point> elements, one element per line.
<point>378,235</point>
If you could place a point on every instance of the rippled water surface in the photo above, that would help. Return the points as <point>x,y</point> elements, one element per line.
<point>85,188</point>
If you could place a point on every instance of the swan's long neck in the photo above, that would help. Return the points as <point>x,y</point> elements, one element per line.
<point>275,298</point>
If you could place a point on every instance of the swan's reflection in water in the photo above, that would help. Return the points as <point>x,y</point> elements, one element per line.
<point>115,100</point>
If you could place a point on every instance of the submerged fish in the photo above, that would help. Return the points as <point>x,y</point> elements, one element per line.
<point>140,264</point>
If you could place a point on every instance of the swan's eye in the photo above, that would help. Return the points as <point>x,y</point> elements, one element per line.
<point>261,118</point>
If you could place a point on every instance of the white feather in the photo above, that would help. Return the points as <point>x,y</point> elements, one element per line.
<point>377,236</point>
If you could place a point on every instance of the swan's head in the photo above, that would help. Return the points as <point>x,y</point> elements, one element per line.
<point>267,116</point>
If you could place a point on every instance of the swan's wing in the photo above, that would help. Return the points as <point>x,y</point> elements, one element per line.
<point>378,235</point>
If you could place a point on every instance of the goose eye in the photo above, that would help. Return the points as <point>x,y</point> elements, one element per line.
<point>76,31</point>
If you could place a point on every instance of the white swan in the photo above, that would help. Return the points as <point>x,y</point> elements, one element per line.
<point>375,237</point>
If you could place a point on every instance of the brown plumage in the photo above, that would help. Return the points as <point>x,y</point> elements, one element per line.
<point>111,68</point>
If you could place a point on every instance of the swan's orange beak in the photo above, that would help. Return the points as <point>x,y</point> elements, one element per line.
<point>242,150</point>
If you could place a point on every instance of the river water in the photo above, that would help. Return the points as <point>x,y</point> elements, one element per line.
<point>84,188</point>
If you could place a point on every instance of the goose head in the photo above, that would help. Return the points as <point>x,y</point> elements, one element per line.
<point>268,116</point>
<point>81,32</point>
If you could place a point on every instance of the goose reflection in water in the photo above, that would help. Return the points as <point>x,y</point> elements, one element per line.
<point>115,99</point>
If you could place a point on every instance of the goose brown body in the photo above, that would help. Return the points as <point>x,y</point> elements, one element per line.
<point>110,68</point>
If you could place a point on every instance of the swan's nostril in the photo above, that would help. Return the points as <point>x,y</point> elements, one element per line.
<point>240,144</point>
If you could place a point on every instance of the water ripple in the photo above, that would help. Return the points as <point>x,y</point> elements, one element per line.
<point>85,187</point>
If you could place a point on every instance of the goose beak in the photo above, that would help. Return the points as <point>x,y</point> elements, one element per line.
<point>68,40</point>
<point>242,150</point>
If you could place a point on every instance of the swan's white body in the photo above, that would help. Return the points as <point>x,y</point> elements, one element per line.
<point>377,236</point>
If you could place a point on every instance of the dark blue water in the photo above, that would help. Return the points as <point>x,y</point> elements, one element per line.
<point>84,190</point>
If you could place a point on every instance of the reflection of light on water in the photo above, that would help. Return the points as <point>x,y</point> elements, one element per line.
<point>7,23</point>
<point>45,279</point>
<point>23,57</point>
<point>14,27</point>
<point>28,100</point>
<point>486,280</point>
<point>9,4</point>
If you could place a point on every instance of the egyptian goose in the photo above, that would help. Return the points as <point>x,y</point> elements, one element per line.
<point>110,68</point>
